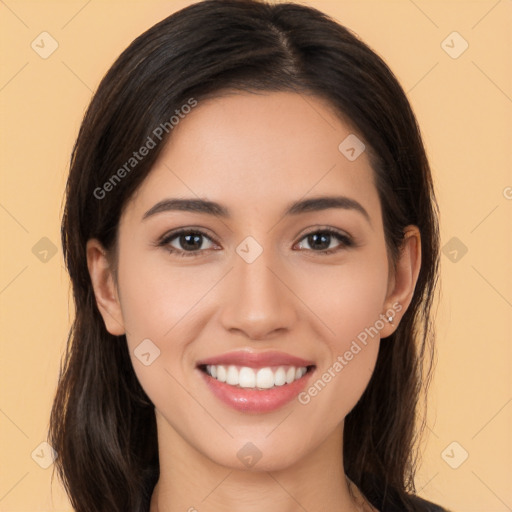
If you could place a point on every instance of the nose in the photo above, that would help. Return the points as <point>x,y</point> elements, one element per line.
<point>258,301</point>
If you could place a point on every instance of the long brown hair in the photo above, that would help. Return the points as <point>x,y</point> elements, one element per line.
<point>102,423</point>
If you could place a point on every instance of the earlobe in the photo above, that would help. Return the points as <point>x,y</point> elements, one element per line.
<point>403,281</point>
<point>104,286</point>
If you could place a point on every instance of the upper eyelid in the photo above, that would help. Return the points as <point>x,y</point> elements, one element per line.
<point>180,231</point>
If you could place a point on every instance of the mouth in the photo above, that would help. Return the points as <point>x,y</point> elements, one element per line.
<point>255,382</point>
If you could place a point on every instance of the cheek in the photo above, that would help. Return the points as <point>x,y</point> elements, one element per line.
<point>355,304</point>
<point>157,296</point>
<point>161,303</point>
<point>348,300</point>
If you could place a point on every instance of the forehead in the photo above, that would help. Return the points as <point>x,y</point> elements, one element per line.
<point>259,150</point>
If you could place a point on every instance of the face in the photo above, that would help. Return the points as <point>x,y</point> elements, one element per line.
<point>252,277</point>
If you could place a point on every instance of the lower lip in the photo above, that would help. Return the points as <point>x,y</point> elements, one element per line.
<point>254,400</point>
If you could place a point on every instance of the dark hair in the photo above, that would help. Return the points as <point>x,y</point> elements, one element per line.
<point>102,423</point>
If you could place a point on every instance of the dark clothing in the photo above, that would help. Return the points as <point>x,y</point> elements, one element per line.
<point>388,500</point>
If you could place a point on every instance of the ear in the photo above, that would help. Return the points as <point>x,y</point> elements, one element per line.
<point>402,280</point>
<point>105,289</point>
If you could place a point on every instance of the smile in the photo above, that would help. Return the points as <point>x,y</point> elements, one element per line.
<point>255,382</point>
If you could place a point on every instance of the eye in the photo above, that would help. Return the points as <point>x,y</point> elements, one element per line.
<point>320,241</point>
<point>187,242</point>
<point>190,242</point>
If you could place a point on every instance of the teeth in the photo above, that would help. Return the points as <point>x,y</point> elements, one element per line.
<point>264,378</point>
<point>246,377</point>
<point>221,373</point>
<point>279,377</point>
<point>232,376</point>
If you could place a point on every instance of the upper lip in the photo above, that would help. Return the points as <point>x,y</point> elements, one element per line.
<point>256,359</point>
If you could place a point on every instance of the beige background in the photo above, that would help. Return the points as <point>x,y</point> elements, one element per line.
<point>464,107</point>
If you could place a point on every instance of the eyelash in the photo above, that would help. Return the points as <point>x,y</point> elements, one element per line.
<point>345,241</point>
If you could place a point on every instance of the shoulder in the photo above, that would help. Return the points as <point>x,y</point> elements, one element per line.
<point>426,506</point>
<point>386,499</point>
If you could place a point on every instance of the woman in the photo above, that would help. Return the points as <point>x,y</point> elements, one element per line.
<point>251,234</point>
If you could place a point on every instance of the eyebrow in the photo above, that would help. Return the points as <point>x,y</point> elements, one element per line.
<point>314,204</point>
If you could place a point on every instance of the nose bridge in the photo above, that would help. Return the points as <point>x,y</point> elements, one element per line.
<point>257,301</point>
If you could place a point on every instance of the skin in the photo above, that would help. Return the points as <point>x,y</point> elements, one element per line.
<point>254,154</point>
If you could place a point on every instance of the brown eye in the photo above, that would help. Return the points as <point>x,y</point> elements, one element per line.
<point>186,242</point>
<point>321,240</point>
